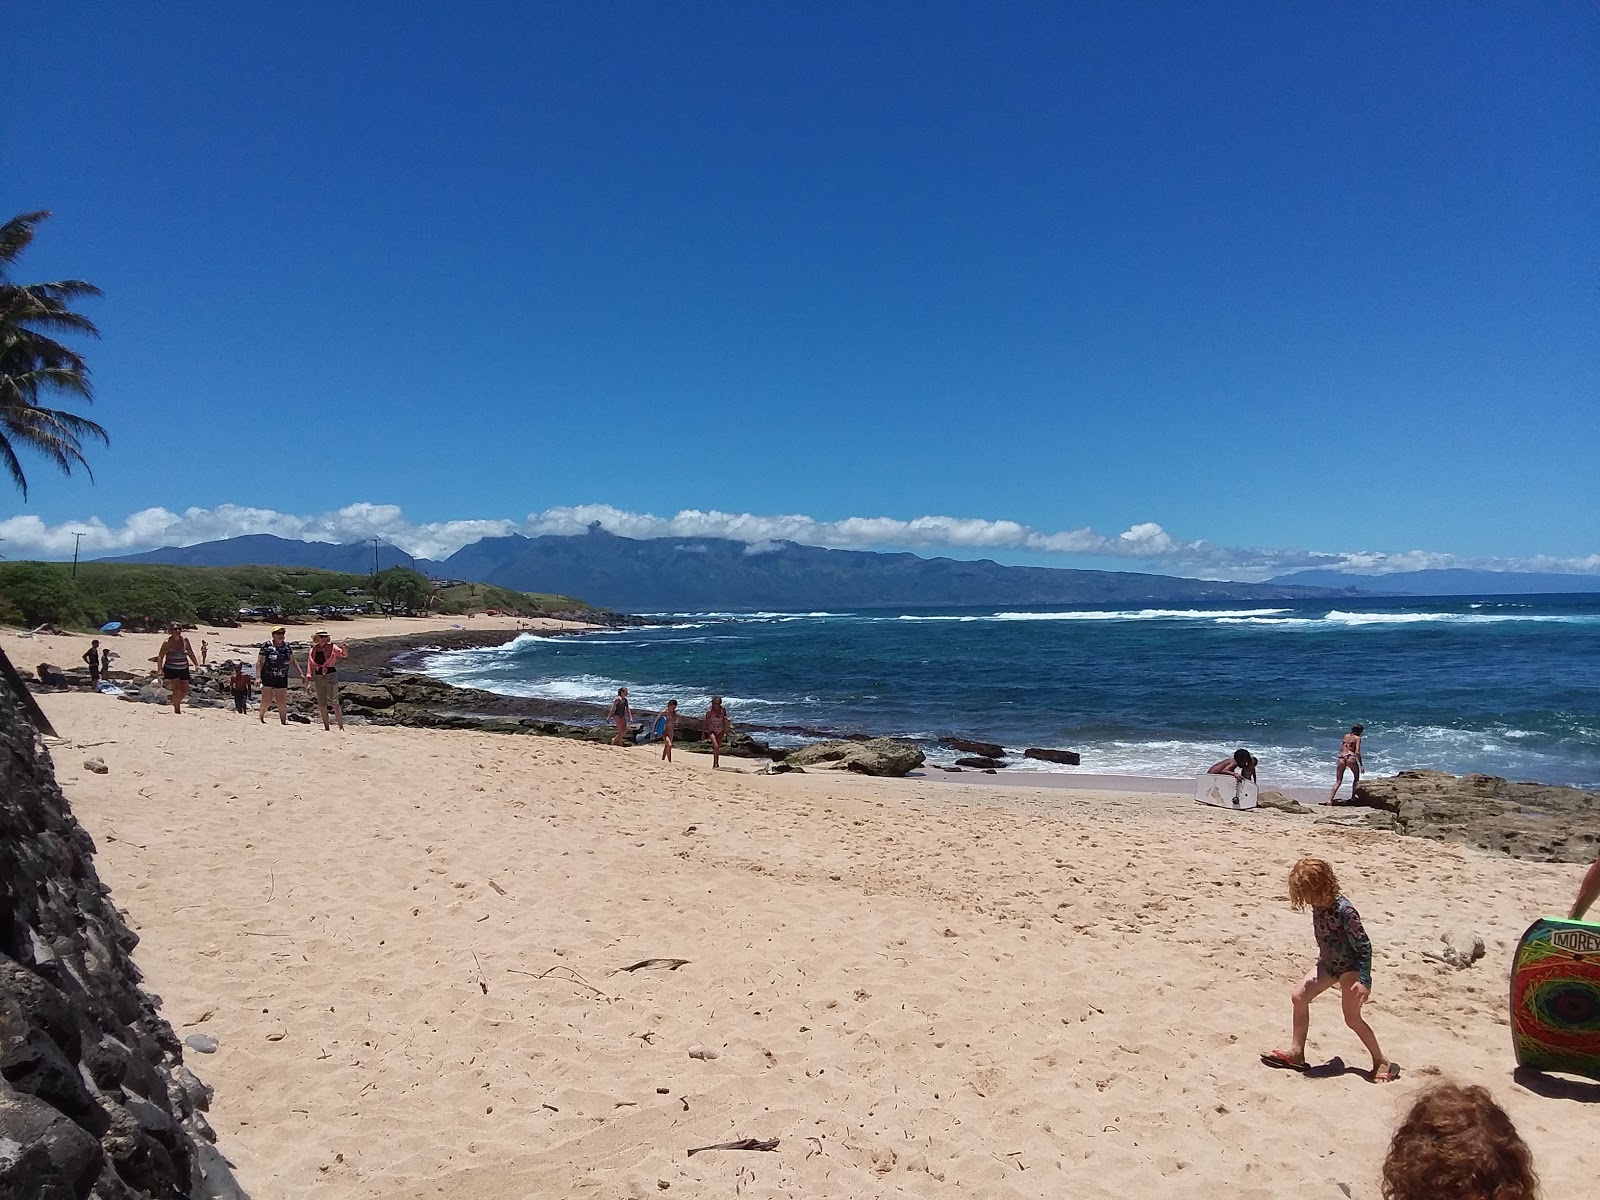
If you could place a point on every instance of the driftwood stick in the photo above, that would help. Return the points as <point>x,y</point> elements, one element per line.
<point>653,964</point>
<point>741,1144</point>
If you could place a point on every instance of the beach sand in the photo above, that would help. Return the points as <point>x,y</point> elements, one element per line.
<point>408,944</point>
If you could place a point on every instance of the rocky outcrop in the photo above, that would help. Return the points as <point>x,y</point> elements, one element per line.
<point>94,1098</point>
<point>878,756</point>
<point>980,762</point>
<point>1067,758</point>
<point>978,749</point>
<point>1525,820</point>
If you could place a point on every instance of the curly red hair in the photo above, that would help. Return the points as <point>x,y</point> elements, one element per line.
<point>1312,881</point>
<point>1456,1141</point>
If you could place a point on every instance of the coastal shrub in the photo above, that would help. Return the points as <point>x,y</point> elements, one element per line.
<point>10,614</point>
<point>42,592</point>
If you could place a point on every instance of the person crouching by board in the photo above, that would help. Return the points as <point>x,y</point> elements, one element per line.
<point>1241,766</point>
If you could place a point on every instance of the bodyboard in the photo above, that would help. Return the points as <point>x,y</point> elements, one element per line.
<point>1225,791</point>
<point>1555,997</point>
<point>654,732</point>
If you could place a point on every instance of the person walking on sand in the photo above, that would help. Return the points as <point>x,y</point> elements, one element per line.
<point>1242,765</point>
<point>205,650</point>
<point>620,716</point>
<point>272,667</point>
<point>1344,957</point>
<point>1349,760</point>
<point>239,685</point>
<point>92,657</point>
<point>173,661</point>
<point>670,716</point>
<point>715,726</point>
<point>322,668</point>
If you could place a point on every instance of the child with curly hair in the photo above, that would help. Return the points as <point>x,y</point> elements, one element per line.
<point>1457,1142</point>
<point>1344,957</point>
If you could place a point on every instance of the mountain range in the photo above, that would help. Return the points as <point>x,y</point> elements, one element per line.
<point>708,574</point>
<point>1448,581</point>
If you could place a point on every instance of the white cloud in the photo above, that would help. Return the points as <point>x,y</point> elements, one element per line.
<point>1146,545</point>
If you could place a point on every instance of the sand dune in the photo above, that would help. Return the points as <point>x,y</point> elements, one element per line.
<point>409,943</point>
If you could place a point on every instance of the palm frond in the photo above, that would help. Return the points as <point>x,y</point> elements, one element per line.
<point>15,235</point>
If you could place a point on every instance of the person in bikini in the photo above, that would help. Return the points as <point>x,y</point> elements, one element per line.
<point>620,716</point>
<point>1349,760</point>
<point>715,726</point>
<point>173,661</point>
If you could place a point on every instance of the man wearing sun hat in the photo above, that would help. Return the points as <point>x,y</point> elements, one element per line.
<point>322,668</point>
<point>272,667</point>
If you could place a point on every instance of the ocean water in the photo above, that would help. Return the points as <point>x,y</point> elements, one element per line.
<point>1505,685</point>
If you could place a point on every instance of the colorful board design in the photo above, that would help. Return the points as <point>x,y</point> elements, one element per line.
<point>1555,997</point>
<point>1225,791</point>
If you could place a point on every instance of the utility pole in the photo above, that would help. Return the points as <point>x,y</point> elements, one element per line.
<point>77,540</point>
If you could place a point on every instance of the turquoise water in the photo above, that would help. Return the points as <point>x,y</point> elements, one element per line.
<point>1508,685</point>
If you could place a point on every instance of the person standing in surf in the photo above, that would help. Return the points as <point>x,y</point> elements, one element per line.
<point>1349,760</point>
<point>1344,959</point>
<point>620,716</point>
<point>715,726</point>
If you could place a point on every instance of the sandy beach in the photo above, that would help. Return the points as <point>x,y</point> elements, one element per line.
<point>411,946</point>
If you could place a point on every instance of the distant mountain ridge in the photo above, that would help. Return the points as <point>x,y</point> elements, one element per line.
<point>707,574</point>
<point>1449,581</point>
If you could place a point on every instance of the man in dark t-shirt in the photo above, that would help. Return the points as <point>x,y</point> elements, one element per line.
<point>273,663</point>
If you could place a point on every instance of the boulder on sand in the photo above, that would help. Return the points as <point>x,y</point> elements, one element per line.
<point>1537,821</point>
<point>981,761</point>
<point>1065,757</point>
<point>968,746</point>
<point>878,756</point>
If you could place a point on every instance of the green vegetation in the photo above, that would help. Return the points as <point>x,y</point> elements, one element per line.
<point>480,597</point>
<point>32,593</point>
<point>34,364</point>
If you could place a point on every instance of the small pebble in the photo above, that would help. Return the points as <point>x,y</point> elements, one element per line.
<point>703,1052</point>
<point>202,1043</point>
<point>97,765</point>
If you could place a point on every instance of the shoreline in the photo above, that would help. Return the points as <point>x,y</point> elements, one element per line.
<point>1532,821</point>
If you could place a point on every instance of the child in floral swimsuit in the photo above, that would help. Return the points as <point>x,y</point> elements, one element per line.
<point>1344,957</point>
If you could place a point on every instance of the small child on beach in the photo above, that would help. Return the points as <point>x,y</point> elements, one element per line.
<point>239,685</point>
<point>667,730</point>
<point>1457,1142</point>
<point>1344,957</point>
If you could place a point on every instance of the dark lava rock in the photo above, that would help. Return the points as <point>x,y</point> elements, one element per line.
<point>968,746</point>
<point>980,761</point>
<point>91,1102</point>
<point>1065,757</point>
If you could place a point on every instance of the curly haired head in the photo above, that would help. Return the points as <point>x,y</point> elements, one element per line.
<point>1312,881</point>
<point>1456,1141</point>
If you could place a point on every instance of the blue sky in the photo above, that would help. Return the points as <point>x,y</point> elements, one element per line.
<point>1273,278</point>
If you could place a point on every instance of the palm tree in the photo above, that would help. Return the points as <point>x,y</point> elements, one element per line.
<point>34,364</point>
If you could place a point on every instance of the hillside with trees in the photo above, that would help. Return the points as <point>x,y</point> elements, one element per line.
<point>34,593</point>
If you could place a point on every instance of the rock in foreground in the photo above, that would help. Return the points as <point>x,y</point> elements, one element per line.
<point>1525,820</point>
<point>879,756</point>
<point>94,1098</point>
